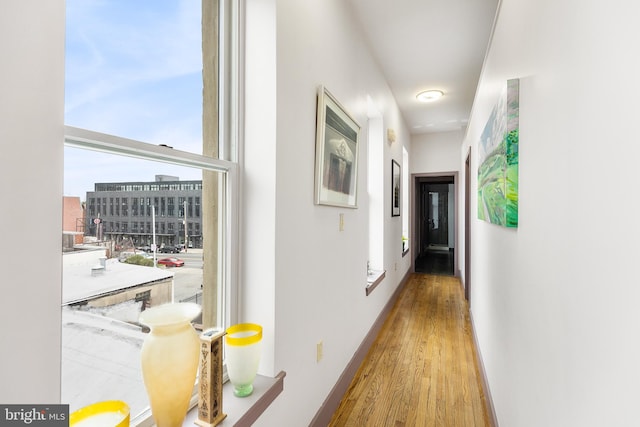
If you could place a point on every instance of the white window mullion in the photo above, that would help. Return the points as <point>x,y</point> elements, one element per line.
<point>87,139</point>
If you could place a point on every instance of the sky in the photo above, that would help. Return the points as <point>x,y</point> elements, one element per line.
<point>133,69</point>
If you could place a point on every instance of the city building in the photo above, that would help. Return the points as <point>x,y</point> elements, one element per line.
<point>124,211</point>
<point>72,222</point>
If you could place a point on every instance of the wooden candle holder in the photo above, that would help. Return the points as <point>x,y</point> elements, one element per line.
<point>210,386</point>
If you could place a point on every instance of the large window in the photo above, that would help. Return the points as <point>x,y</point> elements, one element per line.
<point>140,78</point>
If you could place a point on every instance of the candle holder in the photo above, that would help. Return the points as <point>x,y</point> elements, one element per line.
<point>210,385</point>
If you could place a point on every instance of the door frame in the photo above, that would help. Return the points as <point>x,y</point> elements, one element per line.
<point>467,227</point>
<point>415,178</point>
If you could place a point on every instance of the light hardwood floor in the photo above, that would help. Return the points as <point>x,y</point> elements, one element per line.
<point>421,369</point>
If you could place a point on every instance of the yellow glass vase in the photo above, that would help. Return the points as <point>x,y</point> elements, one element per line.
<point>170,360</point>
<point>243,348</point>
<point>110,413</point>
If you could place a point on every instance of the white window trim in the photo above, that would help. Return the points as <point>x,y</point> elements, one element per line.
<point>88,139</point>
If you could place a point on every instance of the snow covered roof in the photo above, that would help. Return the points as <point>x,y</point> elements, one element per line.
<point>101,361</point>
<point>80,284</point>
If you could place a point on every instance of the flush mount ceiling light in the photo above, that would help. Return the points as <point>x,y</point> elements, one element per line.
<point>429,95</point>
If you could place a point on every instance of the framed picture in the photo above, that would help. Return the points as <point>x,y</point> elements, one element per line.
<point>337,146</point>
<point>499,157</point>
<point>395,188</point>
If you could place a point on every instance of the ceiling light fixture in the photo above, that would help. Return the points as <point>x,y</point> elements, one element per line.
<point>429,95</point>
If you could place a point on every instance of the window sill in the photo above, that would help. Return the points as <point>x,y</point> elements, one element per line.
<point>373,280</point>
<point>244,411</point>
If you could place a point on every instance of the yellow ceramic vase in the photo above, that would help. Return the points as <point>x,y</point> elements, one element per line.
<point>170,360</point>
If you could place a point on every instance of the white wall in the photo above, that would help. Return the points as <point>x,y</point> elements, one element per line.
<point>555,301</point>
<point>435,152</point>
<point>315,273</point>
<point>31,134</point>
<point>259,176</point>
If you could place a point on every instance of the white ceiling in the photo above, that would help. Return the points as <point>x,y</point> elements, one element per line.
<point>429,44</point>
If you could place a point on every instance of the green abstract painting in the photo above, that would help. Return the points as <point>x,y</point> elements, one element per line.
<point>498,153</point>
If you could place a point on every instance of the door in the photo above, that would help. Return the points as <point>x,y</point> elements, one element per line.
<point>435,225</point>
<point>434,216</point>
<point>438,216</point>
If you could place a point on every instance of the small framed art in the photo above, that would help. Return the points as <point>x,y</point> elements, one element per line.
<point>395,188</point>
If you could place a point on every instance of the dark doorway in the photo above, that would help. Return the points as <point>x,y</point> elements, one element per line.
<point>435,226</point>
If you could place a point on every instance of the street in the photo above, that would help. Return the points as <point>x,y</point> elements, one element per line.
<point>187,280</point>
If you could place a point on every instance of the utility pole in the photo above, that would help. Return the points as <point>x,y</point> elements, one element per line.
<point>153,228</point>
<point>186,238</point>
<point>99,228</point>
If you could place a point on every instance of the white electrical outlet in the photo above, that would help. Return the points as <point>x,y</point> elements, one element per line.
<point>319,351</point>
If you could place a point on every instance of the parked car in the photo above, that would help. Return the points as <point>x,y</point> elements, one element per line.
<point>171,262</point>
<point>169,250</point>
<point>144,248</point>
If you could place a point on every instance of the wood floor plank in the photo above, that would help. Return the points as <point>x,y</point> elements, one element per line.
<point>422,368</point>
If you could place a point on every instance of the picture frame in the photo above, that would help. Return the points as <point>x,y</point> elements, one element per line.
<point>499,159</point>
<point>395,188</point>
<point>337,147</point>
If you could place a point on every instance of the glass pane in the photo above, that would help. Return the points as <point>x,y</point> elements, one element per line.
<point>134,69</point>
<point>115,208</point>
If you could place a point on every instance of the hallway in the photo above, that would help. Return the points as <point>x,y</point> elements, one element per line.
<point>421,369</point>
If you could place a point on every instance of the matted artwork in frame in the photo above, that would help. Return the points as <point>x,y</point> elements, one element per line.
<point>337,145</point>
<point>498,151</point>
<point>395,188</point>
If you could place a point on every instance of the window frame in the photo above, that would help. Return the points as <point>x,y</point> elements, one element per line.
<point>227,286</point>
<point>228,276</point>
<point>228,84</point>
